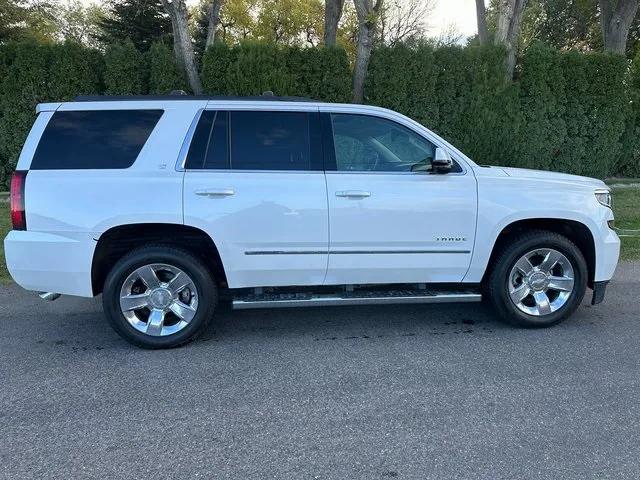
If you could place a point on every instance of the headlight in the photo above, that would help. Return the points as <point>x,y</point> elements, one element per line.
<point>604,197</point>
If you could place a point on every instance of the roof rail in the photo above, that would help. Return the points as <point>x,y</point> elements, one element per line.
<point>180,97</point>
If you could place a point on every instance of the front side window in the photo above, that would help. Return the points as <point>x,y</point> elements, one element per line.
<point>263,140</point>
<point>98,139</point>
<point>365,143</point>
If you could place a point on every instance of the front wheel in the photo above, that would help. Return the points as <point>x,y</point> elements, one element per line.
<point>159,297</point>
<point>538,280</point>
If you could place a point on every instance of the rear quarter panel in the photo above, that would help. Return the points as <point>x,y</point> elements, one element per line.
<point>68,210</point>
<point>92,201</point>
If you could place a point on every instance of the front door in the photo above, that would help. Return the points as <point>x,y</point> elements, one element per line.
<point>388,224</point>
<point>254,183</point>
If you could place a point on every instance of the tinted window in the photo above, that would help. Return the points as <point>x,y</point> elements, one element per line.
<point>94,139</point>
<point>371,144</point>
<point>270,141</point>
<point>209,146</point>
<point>200,139</point>
<point>217,155</point>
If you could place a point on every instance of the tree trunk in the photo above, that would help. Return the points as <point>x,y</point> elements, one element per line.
<point>367,14</point>
<point>332,14</point>
<point>182,46</point>
<point>214,21</point>
<point>508,30</point>
<point>616,19</point>
<point>481,15</point>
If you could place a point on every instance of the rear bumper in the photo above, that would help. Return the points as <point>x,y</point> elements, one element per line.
<point>47,262</point>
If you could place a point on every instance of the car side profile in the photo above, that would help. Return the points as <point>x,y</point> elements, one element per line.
<point>169,205</point>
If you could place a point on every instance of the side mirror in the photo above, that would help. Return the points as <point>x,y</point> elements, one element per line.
<point>442,162</point>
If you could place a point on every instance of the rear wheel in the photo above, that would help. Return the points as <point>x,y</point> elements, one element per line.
<point>538,280</point>
<point>159,297</point>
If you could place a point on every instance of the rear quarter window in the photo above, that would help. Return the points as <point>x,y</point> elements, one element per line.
<point>99,139</point>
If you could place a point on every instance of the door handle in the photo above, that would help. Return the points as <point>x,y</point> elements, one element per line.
<point>216,192</point>
<point>353,194</point>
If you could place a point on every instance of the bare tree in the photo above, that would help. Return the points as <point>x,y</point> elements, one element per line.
<point>367,13</point>
<point>404,20</point>
<point>182,46</point>
<point>213,12</point>
<point>332,14</point>
<point>508,29</point>
<point>616,17</point>
<point>481,15</point>
<point>449,36</point>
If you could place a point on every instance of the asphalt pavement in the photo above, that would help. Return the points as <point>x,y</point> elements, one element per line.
<point>407,392</point>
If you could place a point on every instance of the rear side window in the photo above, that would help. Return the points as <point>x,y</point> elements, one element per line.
<point>99,139</point>
<point>270,140</point>
<point>209,147</point>
<point>256,140</point>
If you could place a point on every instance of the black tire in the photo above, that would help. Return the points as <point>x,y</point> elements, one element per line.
<point>176,257</point>
<point>518,246</point>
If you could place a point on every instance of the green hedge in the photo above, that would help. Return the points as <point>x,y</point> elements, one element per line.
<point>567,111</point>
<point>32,73</point>
<point>253,68</point>
<point>542,107</point>
<point>629,161</point>
<point>164,74</point>
<point>125,71</point>
<point>24,69</point>
<point>460,93</point>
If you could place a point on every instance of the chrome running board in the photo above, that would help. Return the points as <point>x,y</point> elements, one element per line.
<point>334,300</point>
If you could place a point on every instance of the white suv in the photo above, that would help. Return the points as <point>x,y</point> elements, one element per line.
<point>167,204</point>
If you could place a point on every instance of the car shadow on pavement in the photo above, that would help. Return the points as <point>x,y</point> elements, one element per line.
<point>79,323</point>
<point>349,323</point>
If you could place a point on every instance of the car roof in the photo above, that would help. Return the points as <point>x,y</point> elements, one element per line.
<point>181,97</point>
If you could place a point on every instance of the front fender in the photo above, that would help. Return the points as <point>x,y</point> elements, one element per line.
<point>504,201</point>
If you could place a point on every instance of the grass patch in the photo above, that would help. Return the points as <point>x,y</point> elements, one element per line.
<point>622,181</point>
<point>5,226</point>
<point>626,207</point>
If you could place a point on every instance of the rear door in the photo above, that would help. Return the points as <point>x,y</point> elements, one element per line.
<point>254,183</point>
<point>387,222</point>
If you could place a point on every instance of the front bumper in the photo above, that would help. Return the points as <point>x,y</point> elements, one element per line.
<point>607,255</point>
<point>48,262</point>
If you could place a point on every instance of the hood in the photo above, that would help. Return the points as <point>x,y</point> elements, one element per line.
<point>525,173</point>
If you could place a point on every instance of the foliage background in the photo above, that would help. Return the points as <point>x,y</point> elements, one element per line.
<point>567,111</point>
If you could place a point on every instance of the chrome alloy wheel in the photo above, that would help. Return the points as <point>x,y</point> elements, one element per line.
<point>541,282</point>
<point>158,299</point>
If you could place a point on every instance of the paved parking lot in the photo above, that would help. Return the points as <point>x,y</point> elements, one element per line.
<point>338,393</point>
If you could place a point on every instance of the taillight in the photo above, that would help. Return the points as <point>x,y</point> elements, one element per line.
<point>18,214</point>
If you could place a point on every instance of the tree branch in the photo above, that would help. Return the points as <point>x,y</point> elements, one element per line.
<point>214,21</point>
<point>481,16</point>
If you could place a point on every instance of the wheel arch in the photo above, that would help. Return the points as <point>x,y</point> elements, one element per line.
<point>117,241</point>
<point>578,232</point>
